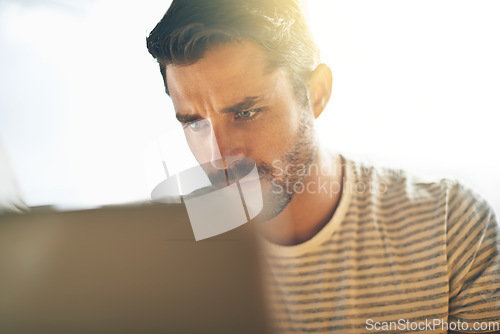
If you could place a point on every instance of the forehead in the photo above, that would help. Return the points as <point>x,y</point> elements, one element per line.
<point>225,74</point>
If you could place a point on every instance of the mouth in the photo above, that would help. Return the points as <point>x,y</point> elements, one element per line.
<point>236,169</point>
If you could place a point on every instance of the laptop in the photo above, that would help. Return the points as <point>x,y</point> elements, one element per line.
<point>128,269</point>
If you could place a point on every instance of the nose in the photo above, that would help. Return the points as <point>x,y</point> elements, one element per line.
<point>223,143</point>
<point>216,158</point>
<point>211,141</point>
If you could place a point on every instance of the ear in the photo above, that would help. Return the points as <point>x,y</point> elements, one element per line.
<point>320,88</point>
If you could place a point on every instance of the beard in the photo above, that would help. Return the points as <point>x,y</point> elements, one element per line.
<point>276,190</point>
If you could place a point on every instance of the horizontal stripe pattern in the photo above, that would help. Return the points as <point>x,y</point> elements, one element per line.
<point>419,250</point>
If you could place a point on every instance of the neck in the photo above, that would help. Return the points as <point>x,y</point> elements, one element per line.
<point>312,206</point>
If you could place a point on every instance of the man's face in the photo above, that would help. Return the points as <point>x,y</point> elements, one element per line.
<point>246,110</point>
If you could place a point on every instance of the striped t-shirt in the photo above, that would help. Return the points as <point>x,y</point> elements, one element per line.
<point>398,255</point>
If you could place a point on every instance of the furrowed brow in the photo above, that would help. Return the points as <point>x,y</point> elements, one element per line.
<point>185,119</point>
<point>246,104</point>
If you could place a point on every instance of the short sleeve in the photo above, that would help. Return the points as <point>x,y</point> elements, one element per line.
<point>473,260</point>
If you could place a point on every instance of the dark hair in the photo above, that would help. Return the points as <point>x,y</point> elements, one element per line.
<point>191,27</point>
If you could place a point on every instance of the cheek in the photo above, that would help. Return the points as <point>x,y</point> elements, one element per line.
<point>278,133</point>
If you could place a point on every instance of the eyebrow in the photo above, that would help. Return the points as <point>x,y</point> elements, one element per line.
<point>246,104</point>
<point>185,119</point>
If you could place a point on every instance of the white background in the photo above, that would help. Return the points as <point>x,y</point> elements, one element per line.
<point>416,85</point>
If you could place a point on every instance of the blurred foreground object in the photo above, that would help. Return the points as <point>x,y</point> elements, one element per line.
<point>126,270</point>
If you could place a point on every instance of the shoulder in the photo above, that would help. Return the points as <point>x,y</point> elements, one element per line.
<point>383,183</point>
<point>393,188</point>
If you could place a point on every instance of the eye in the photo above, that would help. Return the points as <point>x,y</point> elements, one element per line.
<point>247,114</point>
<point>197,126</point>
